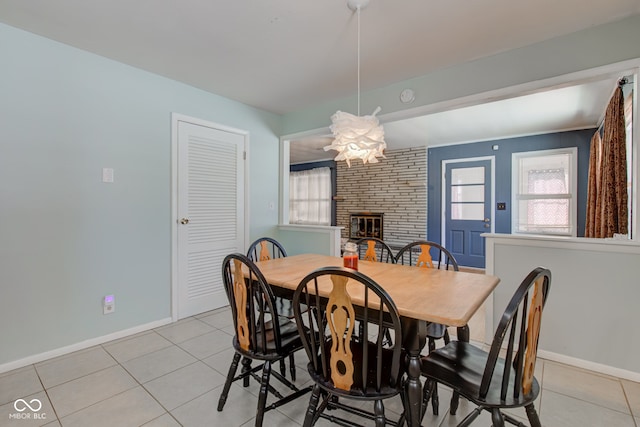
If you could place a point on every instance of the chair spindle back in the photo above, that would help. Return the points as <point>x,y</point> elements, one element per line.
<point>337,342</point>
<point>255,315</point>
<point>520,327</point>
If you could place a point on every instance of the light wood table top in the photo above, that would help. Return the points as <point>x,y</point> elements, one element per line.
<point>440,296</point>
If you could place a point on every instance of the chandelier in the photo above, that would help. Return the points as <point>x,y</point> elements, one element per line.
<point>357,137</point>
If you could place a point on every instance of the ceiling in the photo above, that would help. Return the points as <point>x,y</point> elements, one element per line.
<point>579,106</point>
<point>286,55</point>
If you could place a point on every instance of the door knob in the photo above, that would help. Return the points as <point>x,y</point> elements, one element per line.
<point>184,221</point>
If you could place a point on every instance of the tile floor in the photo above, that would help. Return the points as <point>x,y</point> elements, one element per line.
<point>173,375</point>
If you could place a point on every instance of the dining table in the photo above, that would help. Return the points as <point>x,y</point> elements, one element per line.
<point>421,295</point>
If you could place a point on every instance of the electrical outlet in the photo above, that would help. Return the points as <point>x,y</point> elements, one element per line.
<point>108,304</point>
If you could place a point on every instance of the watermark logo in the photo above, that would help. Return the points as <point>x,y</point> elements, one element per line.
<point>21,405</point>
<point>27,410</point>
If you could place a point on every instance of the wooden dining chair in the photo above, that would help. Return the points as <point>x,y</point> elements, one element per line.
<point>374,249</point>
<point>423,253</point>
<point>260,333</point>
<point>345,366</point>
<point>488,380</point>
<point>264,249</point>
<point>426,254</point>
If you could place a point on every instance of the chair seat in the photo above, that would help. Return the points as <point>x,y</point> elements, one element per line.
<point>289,339</point>
<point>386,389</point>
<point>461,366</point>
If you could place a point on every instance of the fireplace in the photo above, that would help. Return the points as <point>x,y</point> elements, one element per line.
<point>366,224</point>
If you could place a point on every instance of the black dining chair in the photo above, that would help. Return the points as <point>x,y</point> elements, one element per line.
<point>260,333</point>
<point>423,253</point>
<point>343,365</point>
<point>488,380</point>
<point>264,249</point>
<point>374,249</point>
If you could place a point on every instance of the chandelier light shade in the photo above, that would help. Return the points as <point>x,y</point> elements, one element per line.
<point>357,137</point>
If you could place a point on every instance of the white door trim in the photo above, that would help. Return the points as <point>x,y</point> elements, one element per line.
<point>492,159</point>
<point>175,118</point>
<point>488,304</point>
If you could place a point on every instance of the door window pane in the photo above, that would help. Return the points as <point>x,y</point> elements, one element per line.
<point>465,176</point>
<point>467,211</point>
<point>467,193</point>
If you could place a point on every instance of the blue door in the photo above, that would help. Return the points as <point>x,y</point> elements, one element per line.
<point>467,202</point>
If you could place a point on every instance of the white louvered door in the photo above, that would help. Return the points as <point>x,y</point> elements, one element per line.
<point>210,213</point>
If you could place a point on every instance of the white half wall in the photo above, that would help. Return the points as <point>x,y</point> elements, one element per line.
<point>591,316</point>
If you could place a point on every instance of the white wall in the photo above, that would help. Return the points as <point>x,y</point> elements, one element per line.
<point>66,238</point>
<point>591,316</point>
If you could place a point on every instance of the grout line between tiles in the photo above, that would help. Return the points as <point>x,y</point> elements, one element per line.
<point>46,392</point>
<point>539,407</point>
<point>626,398</point>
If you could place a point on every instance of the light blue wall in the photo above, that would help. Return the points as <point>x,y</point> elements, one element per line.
<point>66,238</point>
<point>300,242</point>
<point>583,50</point>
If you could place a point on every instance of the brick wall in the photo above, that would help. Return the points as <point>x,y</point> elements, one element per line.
<point>395,186</point>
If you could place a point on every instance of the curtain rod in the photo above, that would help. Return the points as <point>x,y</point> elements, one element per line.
<point>621,82</point>
<point>624,81</point>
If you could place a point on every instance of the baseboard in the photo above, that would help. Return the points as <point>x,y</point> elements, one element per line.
<point>81,345</point>
<point>591,366</point>
<point>472,270</point>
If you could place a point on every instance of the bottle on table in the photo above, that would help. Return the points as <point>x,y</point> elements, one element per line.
<point>350,255</point>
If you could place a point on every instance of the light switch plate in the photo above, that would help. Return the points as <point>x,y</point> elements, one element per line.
<point>107,175</point>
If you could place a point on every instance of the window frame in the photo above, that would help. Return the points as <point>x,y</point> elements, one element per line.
<point>573,190</point>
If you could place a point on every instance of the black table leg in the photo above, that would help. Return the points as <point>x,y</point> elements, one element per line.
<point>463,336</point>
<point>463,333</point>
<point>414,338</point>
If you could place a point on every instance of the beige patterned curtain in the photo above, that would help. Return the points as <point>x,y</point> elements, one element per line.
<point>607,209</point>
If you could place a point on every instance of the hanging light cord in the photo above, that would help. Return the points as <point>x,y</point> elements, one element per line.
<point>358,60</point>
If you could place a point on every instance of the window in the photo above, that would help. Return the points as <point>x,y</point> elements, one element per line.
<point>544,186</point>
<point>310,197</point>
<point>467,193</point>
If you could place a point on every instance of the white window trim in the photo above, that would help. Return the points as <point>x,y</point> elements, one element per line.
<point>573,205</point>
